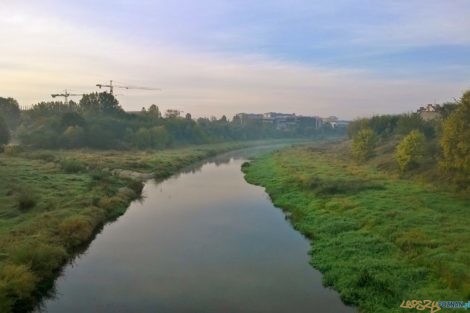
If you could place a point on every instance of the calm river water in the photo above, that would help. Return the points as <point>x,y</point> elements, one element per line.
<point>202,241</point>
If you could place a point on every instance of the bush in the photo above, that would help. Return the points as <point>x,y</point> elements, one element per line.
<point>455,141</point>
<point>110,204</point>
<point>409,122</point>
<point>12,150</point>
<point>44,156</point>
<point>339,186</point>
<point>42,258</point>
<point>4,132</point>
<point>410,150</point>
<point>16,282</point>
<point>26,200</point>
<point>364,142</point>
<point>71,166</point>
<point>136,186</point>
<point>75,231</point>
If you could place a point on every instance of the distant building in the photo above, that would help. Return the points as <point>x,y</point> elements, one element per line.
<point>429,112</point>
<point>282,121</point>
<point>244,117</point>
<point>172,113</point>
<point>339,124</point>
<point>334,122</point>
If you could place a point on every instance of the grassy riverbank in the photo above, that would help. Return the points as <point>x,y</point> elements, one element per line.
<point>52,203</point>
<point>377,239</point>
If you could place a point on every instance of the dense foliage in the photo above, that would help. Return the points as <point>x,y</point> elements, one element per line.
<point>455,141</point>
<point>10,111</point>
<point>410,150</point>
<point>98,121</point>
<point>4,132</point>
<point>442,143</point>
<point>363,145</point>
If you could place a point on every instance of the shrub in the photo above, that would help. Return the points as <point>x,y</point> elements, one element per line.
<point>26,200</point>
<point>75,230</point>
<point>328,187</point>
<point>44,156</point>
<point>71,166</point>
<point>17,282</point>
<point>110,203</point>
<point>42,258</point>
<point>455,141</point>
<point>19,279</point>
<point>363,145</point>
<point>410,122</point>
<point>410,150</point>
<point>136,186</point>
<point>4,132</point>
<point>13,150</point>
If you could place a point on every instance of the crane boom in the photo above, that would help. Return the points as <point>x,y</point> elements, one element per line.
<point>66,95</point>
<point>111,87</point>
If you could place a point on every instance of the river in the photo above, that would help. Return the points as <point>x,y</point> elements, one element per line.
<point>201,241</point>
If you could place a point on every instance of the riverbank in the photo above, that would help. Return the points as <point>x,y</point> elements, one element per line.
<point>377,239</point>
<point>53,202</point>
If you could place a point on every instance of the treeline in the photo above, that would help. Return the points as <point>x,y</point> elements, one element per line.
<point>441,143</point>
<point>98,121</point>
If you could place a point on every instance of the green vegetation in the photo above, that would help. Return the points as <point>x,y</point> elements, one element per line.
<point>435,150</point>
<point>363,145</point>
<point>455,141</point>
<point>10,111</point>
<point>4,132</point>
<point>377,239</point>
<point>53,202</point>
<point>410,150</point>
<point>99,122</point>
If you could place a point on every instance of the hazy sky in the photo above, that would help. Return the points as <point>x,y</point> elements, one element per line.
<point>213,57</point>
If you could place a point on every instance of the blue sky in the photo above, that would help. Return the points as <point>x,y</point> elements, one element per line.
<point>347,58</point>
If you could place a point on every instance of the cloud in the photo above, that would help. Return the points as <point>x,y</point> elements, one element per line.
<point>43,54</point>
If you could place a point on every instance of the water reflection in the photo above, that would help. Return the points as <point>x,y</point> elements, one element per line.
<point>224,158</point>
<point>201,241</point>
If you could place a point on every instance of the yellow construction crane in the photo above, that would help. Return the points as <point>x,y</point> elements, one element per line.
<point>111,87</point>
<point>66,95</point>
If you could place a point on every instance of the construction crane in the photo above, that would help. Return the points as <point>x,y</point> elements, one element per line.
<point>66,95</point>
<point>111,87</point>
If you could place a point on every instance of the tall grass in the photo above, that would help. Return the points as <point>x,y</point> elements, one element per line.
<point>51,204</point>
<point>376,239</point>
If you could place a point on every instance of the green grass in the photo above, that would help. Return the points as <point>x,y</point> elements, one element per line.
<point>377,239</point>
<point>53,202</point>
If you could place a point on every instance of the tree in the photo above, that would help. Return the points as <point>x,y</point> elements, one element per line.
<point>446,109</point>
<point>363,145</point>
<point>10,110</point>
<point>74,136</point>
<point>100,103</point>
<point>154,112</point>
<point>410,150</point>
<point>409,122</point>
<point>4,132</point>
<point>170,113</point>
<point>355,126</point>
<point>455,140</point>
<point>72,119</point>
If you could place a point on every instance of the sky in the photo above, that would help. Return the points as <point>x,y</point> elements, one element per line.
<point>213,57</point>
